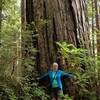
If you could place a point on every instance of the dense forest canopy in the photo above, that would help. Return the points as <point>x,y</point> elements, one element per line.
<point>36,33</point>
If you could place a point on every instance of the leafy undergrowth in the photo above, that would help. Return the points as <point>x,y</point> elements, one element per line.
<point>86,68</point>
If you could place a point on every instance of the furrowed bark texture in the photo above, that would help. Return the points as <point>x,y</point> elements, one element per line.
<point>67,21</point>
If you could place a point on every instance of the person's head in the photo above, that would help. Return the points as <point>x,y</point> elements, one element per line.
<point>55,66</point>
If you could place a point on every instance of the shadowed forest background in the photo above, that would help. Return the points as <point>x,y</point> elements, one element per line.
<point>36,33</point>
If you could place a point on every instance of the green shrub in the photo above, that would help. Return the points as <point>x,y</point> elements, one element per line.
<point>85,67</point>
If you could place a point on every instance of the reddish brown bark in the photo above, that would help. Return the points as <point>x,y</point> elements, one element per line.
<point>67,21</point>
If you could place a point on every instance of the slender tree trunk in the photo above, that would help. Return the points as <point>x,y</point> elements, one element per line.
<point>0,19</point>
<point>0,14</point>
<point>67,21</point>
<point>93,34</point>
<point>97,15</point>
<point>97,25</point>
<point>23,12</point>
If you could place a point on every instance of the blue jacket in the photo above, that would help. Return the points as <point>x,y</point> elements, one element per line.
<point>59,74</point>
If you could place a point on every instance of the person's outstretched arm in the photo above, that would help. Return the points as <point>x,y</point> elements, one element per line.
<point>66,74</point>
<point>44,77</point>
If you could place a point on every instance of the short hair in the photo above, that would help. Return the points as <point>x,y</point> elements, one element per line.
<point>55,64</point>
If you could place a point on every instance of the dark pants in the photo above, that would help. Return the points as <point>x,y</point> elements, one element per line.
<point>55,92</point>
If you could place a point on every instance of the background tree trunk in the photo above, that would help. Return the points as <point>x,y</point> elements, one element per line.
<point>67,21</point>
<point>0,14</point>
<point>93,27</point>
<point>97,14</point>
<point>97,25</point>
<point>0,19</point>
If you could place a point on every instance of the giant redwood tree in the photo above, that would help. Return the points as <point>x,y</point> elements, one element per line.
<point>66,21</point>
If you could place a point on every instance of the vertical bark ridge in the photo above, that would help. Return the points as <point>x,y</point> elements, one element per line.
<point>29,11</point>
<point>46,37</point>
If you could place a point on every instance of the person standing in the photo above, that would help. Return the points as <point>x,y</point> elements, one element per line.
<point>55,76</point>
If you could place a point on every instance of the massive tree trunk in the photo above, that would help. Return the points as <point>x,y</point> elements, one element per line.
<point>67,21</point>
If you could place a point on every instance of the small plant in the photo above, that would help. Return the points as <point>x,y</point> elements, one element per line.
<point>66,97</point>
